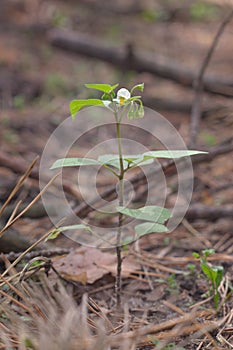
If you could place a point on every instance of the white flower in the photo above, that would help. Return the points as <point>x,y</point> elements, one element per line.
<point>122,95</point>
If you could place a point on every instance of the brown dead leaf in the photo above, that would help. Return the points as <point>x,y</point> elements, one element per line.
<point>81,277</point>
<point>87,265</point>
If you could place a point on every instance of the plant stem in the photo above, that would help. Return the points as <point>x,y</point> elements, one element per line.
<point>120,217</point>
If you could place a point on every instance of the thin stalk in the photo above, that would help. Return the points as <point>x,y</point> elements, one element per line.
<point>110,169</point>
<point>120,216</point>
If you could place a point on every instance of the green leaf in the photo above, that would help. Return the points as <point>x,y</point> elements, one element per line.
<point>136,109</point>
<point>207,252</point>
<point>196,255</point>
<point>53,235</point>
<point>211,275</point>
<point>171,154</point>
<point>75,227</point>
<point>140,113</point>
<point>112,160</point>
<point>68,162</point>
<point>151,213</point>
<point>132,111</point>
<point>132,160</point>
<point>139,87</point>
<point>36,263</point>
<point>106,88</point>
<point>219,274</point>
<point>76,105</point>
<point>135,160</point>
<point>149,227</point>
<point>216,299</point>
<point>134,98</point>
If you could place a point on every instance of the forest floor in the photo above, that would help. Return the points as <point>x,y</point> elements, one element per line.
<point>164,292</point>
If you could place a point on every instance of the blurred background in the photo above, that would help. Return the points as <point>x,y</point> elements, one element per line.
<point>50,48</point>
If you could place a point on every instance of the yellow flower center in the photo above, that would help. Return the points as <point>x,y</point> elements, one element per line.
<point>122,100</point>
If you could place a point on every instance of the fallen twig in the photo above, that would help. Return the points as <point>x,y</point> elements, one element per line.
<point>20,167</point>
<point>199,211</point>
<point>48,253</point>
<point>128,59</point>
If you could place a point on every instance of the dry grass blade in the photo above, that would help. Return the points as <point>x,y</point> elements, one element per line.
<point>145,260</point>
<point>55,321</point>
<point>94,307</point>
<point>174,307</point>
<point>19,184</point>
<point>172,328</point>
<point>27,250</point>
<point>29,205</point>
<point>13,213</point>
<point>14,289</point>
<point>62,324</point>
<point>15,301</point>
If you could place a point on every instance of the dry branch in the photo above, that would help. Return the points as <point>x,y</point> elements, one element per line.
<point>128,59</point>
<point>198,211</point>
<point>19,167</point>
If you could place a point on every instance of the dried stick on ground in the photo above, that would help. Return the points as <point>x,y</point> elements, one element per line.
<point>199,83</point>
<point>128,59</point>
<point>198,211</point>
<point>20,167</point>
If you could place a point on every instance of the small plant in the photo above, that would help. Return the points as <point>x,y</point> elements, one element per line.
<point>213,273</point>
<point>173,286</point>
<point>120,103</point>
<point>191,269</point>
<point>208,138</point>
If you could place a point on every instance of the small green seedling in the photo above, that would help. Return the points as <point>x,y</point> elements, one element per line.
<point>213,273</point>
<point>173,286</point>
<point>29,344</point>
<point>191,268</point>
<point>122,103</point>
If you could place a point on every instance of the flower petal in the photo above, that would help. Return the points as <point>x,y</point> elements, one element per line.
<point>123,93</point>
